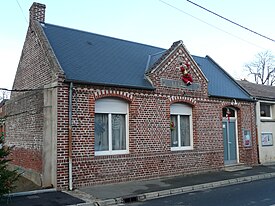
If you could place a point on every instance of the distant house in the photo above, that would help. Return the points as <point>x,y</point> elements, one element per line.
<point>92,109</point>
<point>265,113</point>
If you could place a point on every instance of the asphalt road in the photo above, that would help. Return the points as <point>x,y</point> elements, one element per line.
<point>256,193</point>
<point>42,199</point>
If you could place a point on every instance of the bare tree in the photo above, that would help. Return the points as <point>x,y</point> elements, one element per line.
<point>4,95</point>
<point>263,68</point>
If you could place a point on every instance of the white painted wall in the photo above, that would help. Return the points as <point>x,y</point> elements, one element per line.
<point>266,153</point>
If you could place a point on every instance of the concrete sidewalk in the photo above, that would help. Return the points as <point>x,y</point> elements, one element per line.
<point>149,189</point>
<point>121,193</point>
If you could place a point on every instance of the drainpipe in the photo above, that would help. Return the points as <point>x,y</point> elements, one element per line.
<point>70,138</point>
<point>257,122</point>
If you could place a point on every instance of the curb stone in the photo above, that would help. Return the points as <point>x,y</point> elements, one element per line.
<point>83,196</point>
<point>187,189</point>
<point>33,192</point>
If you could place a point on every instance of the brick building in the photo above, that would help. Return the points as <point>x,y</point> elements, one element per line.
<point>93,109</point>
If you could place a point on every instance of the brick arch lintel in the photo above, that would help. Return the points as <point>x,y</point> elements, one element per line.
<point>180,99</point>
<point>236,107</point>
<point>113,93</point>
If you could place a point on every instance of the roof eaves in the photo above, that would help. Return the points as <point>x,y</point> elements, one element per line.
<point>110,85</point>
<point>265,98</point>
<point>251,99</point>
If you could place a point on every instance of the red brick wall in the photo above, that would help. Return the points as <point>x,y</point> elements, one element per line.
<point>62,135</point>
<point>247,121</point>
<point>149,137</point>
<point>25,115</point>
<point>24,129</point>
<point>33,70</point>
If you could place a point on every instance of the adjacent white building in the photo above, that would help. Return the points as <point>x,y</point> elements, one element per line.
<point>265,118</point>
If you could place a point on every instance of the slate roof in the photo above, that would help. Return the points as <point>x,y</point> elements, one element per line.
<point>259,91</point>
<point>97,59</point>
<point>220,83</point>
<point>155,59</point>
<point>101,60</point>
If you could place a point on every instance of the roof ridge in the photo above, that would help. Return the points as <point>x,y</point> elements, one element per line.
<point>43,24</point>
<point>164,55</point>
<point>248,82</point>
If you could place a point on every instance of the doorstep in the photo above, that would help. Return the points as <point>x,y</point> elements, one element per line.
<point>236,167</point>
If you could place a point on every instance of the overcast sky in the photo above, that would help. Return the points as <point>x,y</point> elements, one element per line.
<point>153,22</point>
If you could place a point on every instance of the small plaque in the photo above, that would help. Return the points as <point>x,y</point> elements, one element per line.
<point>178,84</point>
<point>247,142</point>
<point>267,139</point>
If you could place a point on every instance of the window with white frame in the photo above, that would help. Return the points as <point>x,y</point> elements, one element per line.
<point>181,127</point>
<point>111,126</point>
<point>265,110</point>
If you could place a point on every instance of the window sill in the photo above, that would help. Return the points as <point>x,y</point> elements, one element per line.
<point>108,153</point>
<point>267,120</point>
<point>175,149</point>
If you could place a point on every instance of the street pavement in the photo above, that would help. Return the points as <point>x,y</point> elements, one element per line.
<point>256,193</point>
<point>122,193</point>
<point>52,198</point>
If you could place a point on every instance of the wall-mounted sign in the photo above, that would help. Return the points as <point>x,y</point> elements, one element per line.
<point>267,139</point>
<point>247,138</point>
<point>178,84</point>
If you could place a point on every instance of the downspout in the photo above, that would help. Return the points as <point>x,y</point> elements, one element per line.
<point>70,138</point>
<point>257,121</point>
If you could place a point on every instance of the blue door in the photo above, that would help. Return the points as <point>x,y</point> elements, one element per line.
<point>229,142</point>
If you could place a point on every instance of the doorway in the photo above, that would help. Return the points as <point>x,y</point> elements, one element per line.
<point>229,136</point>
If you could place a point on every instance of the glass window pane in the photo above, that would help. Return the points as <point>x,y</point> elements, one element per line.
<point>185,130</point>
<point>118,132</point>
<point>265,110</point>
<point>228,111</point>
<point>174,131</point>
<point>101,132</point>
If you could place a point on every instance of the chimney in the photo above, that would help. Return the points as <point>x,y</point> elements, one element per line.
<point>37,12</point>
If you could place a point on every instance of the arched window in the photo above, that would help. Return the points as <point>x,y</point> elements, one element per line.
<point>111,126</point>
<point>181,127</point>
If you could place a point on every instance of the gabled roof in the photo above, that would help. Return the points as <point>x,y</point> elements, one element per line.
<point>96,59</point>
<point>220,83</point>
<point>155,59</point>
<point>259,91</point>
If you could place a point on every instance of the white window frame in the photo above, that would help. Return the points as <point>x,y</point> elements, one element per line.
<point>113,106</point>
<point>182,109</point>
<point>270,109</point>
